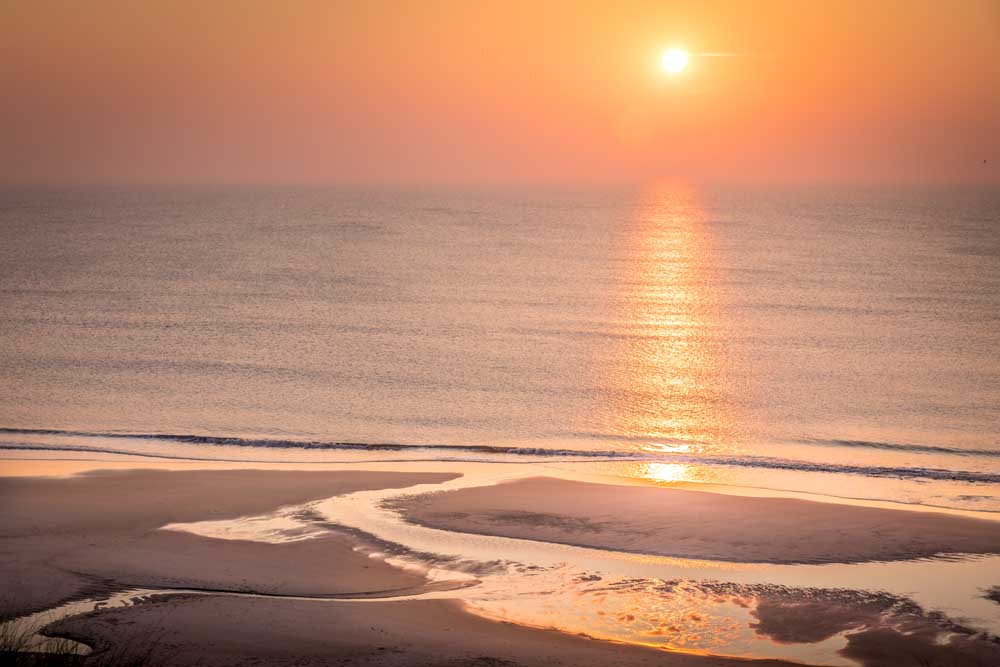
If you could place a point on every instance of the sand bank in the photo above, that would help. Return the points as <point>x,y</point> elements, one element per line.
<point>697,524</point>
<point>65,538</point>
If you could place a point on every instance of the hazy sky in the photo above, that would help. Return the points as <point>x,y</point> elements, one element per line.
<point>504,92</point>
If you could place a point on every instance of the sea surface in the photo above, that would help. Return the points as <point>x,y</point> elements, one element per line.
<point>842,342</point>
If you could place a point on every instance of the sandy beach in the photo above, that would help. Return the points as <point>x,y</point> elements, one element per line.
<point>93,534</point>
<point>699,525</point>
<point>242,631</point>
<point>63,538</point>
<point>97,533</point>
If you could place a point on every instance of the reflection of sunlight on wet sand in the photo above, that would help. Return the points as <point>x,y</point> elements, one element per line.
<point>668,472</point>
<point>639,612</point>
<point>682,619</point>
<point>666,381</point>
<point>673,614</point>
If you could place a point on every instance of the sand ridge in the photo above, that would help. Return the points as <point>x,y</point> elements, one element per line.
<point>697,524</point>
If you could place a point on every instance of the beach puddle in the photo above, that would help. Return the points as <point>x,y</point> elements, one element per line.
<point>277,527</point>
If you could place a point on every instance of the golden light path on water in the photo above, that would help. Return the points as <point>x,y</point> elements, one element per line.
<point>677,385</point>
<point>668,374</point>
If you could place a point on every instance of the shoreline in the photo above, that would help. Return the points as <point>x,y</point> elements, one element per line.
<point>17,467</point>
<point>59,535</point>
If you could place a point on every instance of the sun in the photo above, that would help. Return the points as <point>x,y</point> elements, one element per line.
<point>674,60</point>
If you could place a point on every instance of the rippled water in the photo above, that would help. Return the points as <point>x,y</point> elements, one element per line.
<point>839,342</point>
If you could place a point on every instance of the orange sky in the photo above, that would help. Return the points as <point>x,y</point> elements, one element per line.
<point>479,92</point>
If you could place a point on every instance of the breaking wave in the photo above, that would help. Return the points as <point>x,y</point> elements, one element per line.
<point>486,453</point>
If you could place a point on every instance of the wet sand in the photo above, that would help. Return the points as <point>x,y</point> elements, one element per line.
<point>71,538</point>
<point>213,630</point>
<point>63,538</point>
<point>697,524</point>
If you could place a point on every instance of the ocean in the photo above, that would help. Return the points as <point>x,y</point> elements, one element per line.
<point>841,342</point>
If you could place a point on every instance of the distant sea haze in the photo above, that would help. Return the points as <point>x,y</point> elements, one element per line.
<point>829,341</point>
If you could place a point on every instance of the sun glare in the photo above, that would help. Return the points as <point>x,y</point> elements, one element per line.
<point>674,60</point>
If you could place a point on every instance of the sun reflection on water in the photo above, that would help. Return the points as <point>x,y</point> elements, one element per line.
<point>666,384</point>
